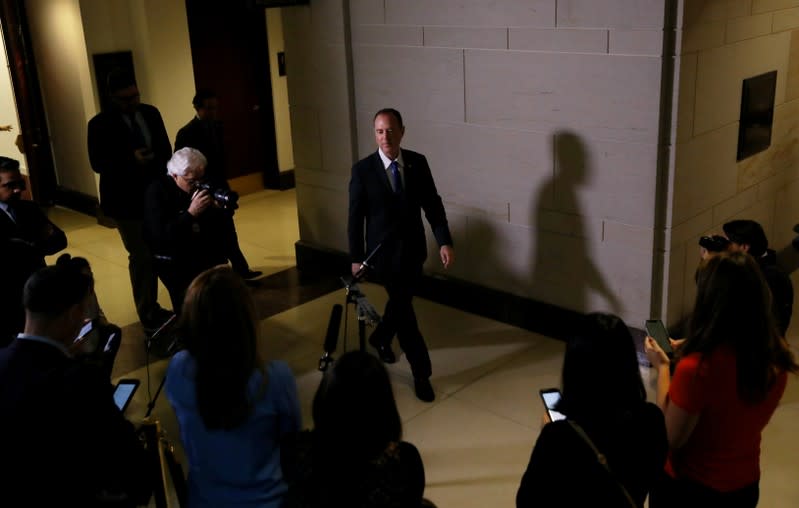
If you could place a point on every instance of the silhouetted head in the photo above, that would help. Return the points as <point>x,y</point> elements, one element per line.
<point>56,299</point>
<point>571,157</point>
<point>218,328</point>
<point>206,103</point>
<point>600,370</point>
<point>122,89</point>
<point>746,235</point>
<point>354,410</point>
<point>12,184</point>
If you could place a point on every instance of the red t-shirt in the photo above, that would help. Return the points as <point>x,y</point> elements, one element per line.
<point>723,451</point>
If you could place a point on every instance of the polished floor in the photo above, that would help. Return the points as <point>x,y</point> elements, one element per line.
<point>475,439</point>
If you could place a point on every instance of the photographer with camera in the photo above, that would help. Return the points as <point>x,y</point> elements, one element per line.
<point>748,236</point>
<point>187,223</point>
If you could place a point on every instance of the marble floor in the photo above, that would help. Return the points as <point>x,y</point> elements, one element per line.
<point>476,438</point>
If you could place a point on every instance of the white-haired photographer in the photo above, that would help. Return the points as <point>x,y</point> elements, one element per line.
<point>186,224</point>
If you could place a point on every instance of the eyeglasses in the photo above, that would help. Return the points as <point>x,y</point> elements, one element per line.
<point>191,181</point>
<point>14,185</point>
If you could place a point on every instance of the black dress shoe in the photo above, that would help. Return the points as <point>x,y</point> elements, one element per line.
<point>383,351</point>
<point>424,390</point>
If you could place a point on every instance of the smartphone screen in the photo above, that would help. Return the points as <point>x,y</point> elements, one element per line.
<point>551,397</point>
<point>85,330</point>
<point>656,330</point>
<point>124,392</point>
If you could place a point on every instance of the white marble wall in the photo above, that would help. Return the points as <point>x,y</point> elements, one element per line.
<point>539,118</point>
<point>722,43</point>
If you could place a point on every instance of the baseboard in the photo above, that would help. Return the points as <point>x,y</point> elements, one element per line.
<point>526,313</point>
<point>78,201</point>
<point>286,179</point>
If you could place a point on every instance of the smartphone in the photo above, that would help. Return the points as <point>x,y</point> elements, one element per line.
<point>84,331</point>
<point>657,330</point>
<point>551,397</point>
<point>123,393</point>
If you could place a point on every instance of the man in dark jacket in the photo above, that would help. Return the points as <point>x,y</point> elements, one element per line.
<point>129,147</point>
<point>66,443</point>
<point>388,191</point>
<point>204,132</point>
<point>748,236</point>
<point>26,237</point>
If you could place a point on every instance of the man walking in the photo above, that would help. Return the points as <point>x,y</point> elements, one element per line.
<point>388,191</point>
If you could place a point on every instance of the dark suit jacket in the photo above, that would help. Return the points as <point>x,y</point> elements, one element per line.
<point>195,243</point>
<point>64,439</point>
<point>394,220</point>
<point>123,181</point>
<point>23,246</point>
<point>208,138</point>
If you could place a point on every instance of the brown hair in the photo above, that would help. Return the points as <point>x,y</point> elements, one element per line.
<point>733,308</point>
<point>218,327</point>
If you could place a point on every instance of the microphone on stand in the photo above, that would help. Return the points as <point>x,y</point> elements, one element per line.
<point>331,337</point>
<point>365,263</point>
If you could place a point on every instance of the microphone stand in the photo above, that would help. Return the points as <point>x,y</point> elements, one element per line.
<point>365,312</point>
<point>170,350</point>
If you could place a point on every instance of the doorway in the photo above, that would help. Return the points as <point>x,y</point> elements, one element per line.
<point>230,56</point>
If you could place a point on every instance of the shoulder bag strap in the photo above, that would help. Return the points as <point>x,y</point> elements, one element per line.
<point>600,457</point>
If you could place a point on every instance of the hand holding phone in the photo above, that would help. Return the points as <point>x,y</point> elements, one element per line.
<point>657,330</point>
<point>551,397</point>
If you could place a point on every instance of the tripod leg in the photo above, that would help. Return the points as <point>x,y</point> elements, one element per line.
<point>151,432</point>
<point>175,472</point>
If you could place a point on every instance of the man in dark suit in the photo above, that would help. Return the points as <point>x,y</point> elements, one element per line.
<point>129,148</point>
<point>65,441</point>
<point>26,237</point>
<point>388,191</point>
<point>204,133</point>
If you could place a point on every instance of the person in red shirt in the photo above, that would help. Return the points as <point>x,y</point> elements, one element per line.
<point>730,375</point>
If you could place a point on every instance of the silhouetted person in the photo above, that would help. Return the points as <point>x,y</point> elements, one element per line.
<point>129,148</point>
<point>204,132</point>
<point>66,443</point>
<point>355,455</point>
<point>748,236</point>
<point>232,406</point>
<point>26,237</point>
<point>185,228</point>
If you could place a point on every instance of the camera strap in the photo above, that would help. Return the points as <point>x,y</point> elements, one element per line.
<point>600,457</point>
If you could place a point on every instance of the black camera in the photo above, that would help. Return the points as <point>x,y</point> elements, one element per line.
<point>225,198</point>
<point>715,243</point>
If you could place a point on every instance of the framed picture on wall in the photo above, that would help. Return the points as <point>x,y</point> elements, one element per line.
<point>757,114</point>
<point>104,63</point>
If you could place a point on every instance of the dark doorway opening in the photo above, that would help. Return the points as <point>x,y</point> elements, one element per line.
<point>230,56</point>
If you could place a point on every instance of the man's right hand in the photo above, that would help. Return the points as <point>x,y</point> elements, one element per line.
<point>199,202</point>
<point>356,267</point>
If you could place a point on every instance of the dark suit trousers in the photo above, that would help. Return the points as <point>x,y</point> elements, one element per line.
<point>142,273</point>
<point>399,319</point>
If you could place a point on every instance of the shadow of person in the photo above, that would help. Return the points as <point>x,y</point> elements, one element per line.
<point>563,269</point>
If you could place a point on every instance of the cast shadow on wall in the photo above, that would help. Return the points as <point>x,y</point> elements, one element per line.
<point>564,270</point>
